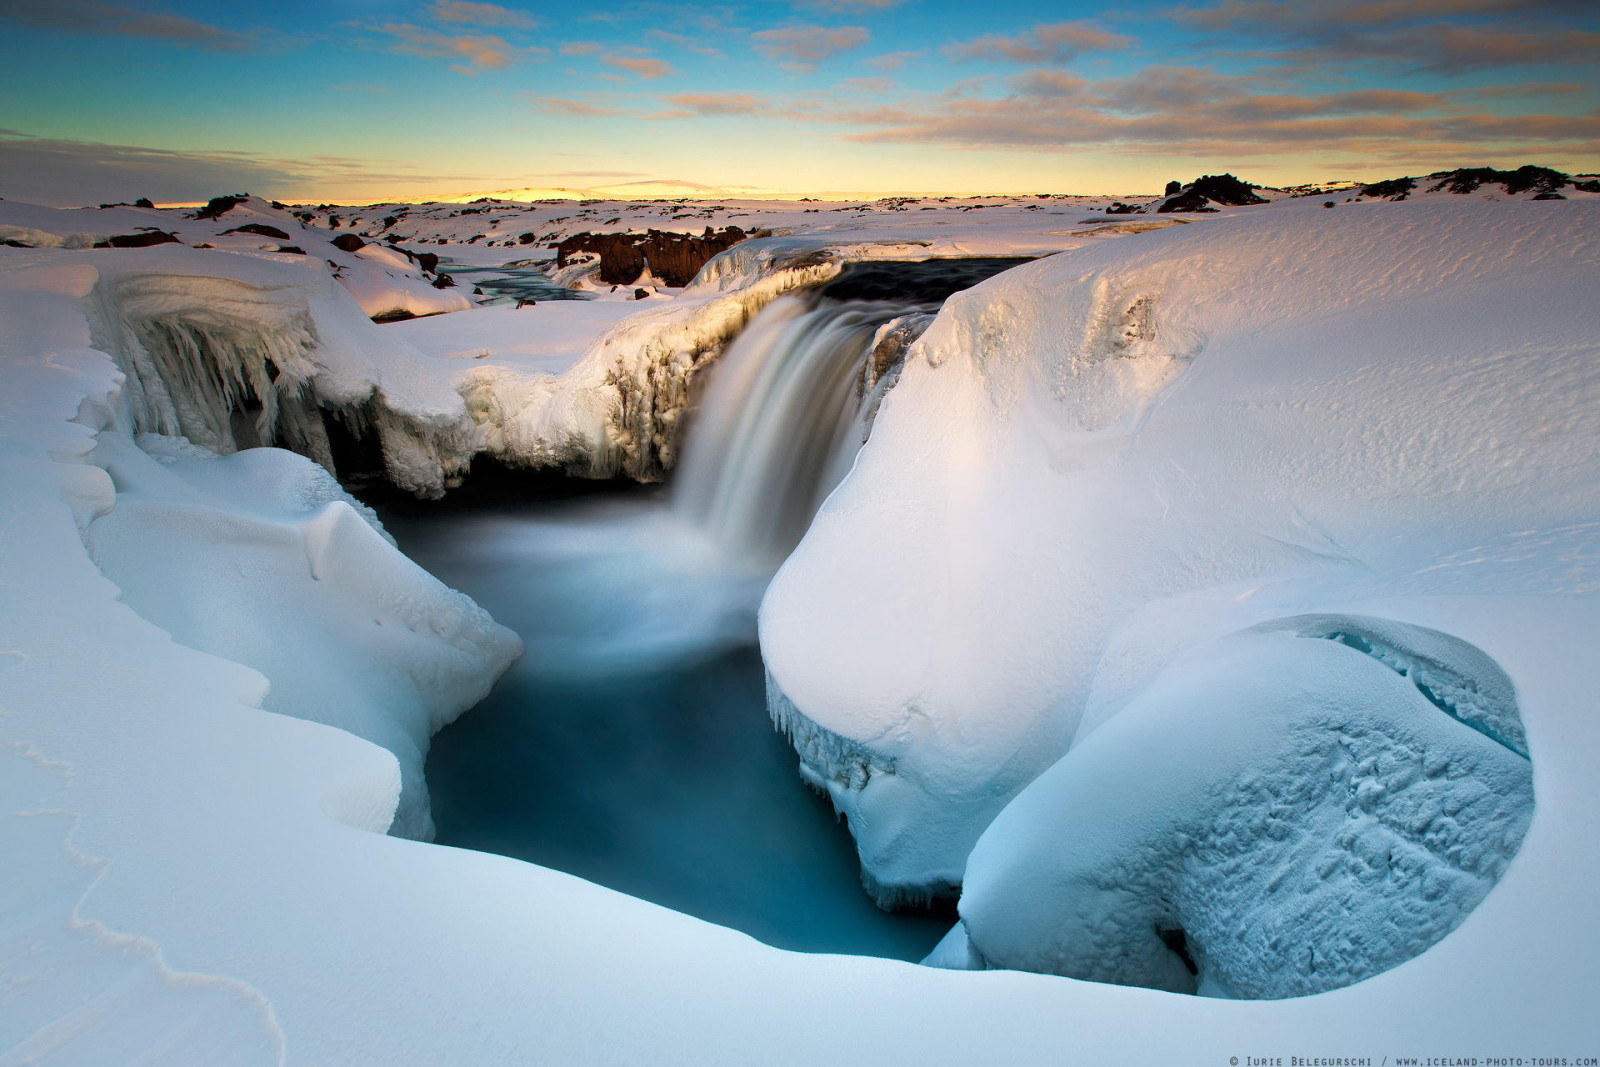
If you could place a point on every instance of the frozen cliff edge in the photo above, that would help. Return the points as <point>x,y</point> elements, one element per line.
<point>257,557</point>
<point>1095,462</point>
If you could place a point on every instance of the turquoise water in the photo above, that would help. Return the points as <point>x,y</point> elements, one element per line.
<point>630,746</point>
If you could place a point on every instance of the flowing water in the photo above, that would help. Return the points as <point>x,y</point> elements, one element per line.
<point>630,745</point>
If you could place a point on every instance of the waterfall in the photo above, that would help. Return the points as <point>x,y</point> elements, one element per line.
<point>778,425</point>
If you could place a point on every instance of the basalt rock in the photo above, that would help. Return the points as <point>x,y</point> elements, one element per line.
<point>138,240</point>
<point>348,242</point>
<point>261,229</point>
<point>1222,189</point>
<point>1521,180</point>
<point>221,205</point>
<point>1393,189</point>
<point>672,258</point>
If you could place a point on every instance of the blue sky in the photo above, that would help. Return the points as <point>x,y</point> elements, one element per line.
<point>365,100</point>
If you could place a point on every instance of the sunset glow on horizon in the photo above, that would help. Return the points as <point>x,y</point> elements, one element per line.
<point>362,101</point>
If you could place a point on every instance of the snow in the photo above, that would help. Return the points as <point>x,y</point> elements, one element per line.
<point>1380,412</point>
<point>1088,458</point>
<point>1319,818</point>
<point>382,280</point>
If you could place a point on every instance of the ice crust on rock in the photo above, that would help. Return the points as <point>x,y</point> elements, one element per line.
<point>1098,460</point>
<point>1291,812</point>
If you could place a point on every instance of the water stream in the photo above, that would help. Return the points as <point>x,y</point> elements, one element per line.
<point>630,745</point>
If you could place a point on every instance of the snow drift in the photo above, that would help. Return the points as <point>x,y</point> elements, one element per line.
<point>1097,461</point>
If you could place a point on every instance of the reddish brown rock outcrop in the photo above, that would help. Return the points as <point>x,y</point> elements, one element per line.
<point>672,258</point>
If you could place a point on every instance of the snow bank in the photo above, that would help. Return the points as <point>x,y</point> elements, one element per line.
<point>384,281</point>
<point>1096,461</point>
<point>348,631</point>
<point>192,879</point>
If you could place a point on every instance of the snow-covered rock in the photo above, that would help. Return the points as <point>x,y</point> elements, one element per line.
<point>1097,461</point>
<point>1284,811</point>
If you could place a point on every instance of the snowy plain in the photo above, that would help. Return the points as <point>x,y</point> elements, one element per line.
<point>1383,410</point>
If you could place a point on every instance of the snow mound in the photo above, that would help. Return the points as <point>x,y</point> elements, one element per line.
<point>1098,460</point>
<point>1279,814</point>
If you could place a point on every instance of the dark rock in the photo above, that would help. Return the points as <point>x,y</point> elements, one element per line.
<point>428,261</point>
<point>143,202</point>
<point>221,205</point>
<point>924,281</point>
<point>1173,189</point>
<point>1222,189</point>
<point>138,240</point>
<point>444,281</point>
<point>1394,188</point>
<point>673,258</point>
<point>640,294</point>
<point>1549,196</point>
<point>291,250</point>
<point>1592,186</point>
<point>9,243</point>
<point>394,315</point>
<point>260,229</point>
<point>1521,180</point>
<point>1119,208</point>
<point>348,242</point>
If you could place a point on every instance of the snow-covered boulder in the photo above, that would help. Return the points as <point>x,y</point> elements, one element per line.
<point>1284,811</point>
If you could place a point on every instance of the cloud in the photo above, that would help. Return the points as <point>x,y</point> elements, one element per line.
<point>806,46</point>
<point>1432,36</point>
<point>643,67</point>
<point>1058,42</point>
<point>714,104</point>
<point>581,48</point>
<point>841,6</point>
<point>90,17</point>
<point>65,173</point>
<point>480,51</point>
<point>1254,16</point>
<point>1385,123</point>
<point>468,13</point>
<point>682,41</point>
<point>1195,112</point>
<point>892,60</point>
<point>561,105</point>
<point>873,86</point>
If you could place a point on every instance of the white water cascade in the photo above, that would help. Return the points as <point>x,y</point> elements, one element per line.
<point>778,426</point>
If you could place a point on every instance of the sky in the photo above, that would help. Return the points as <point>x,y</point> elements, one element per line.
<point>364,101</point>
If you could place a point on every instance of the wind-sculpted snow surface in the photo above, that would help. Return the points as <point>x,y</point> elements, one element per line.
<point>1279,814</point>
<point>1098,460</point>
